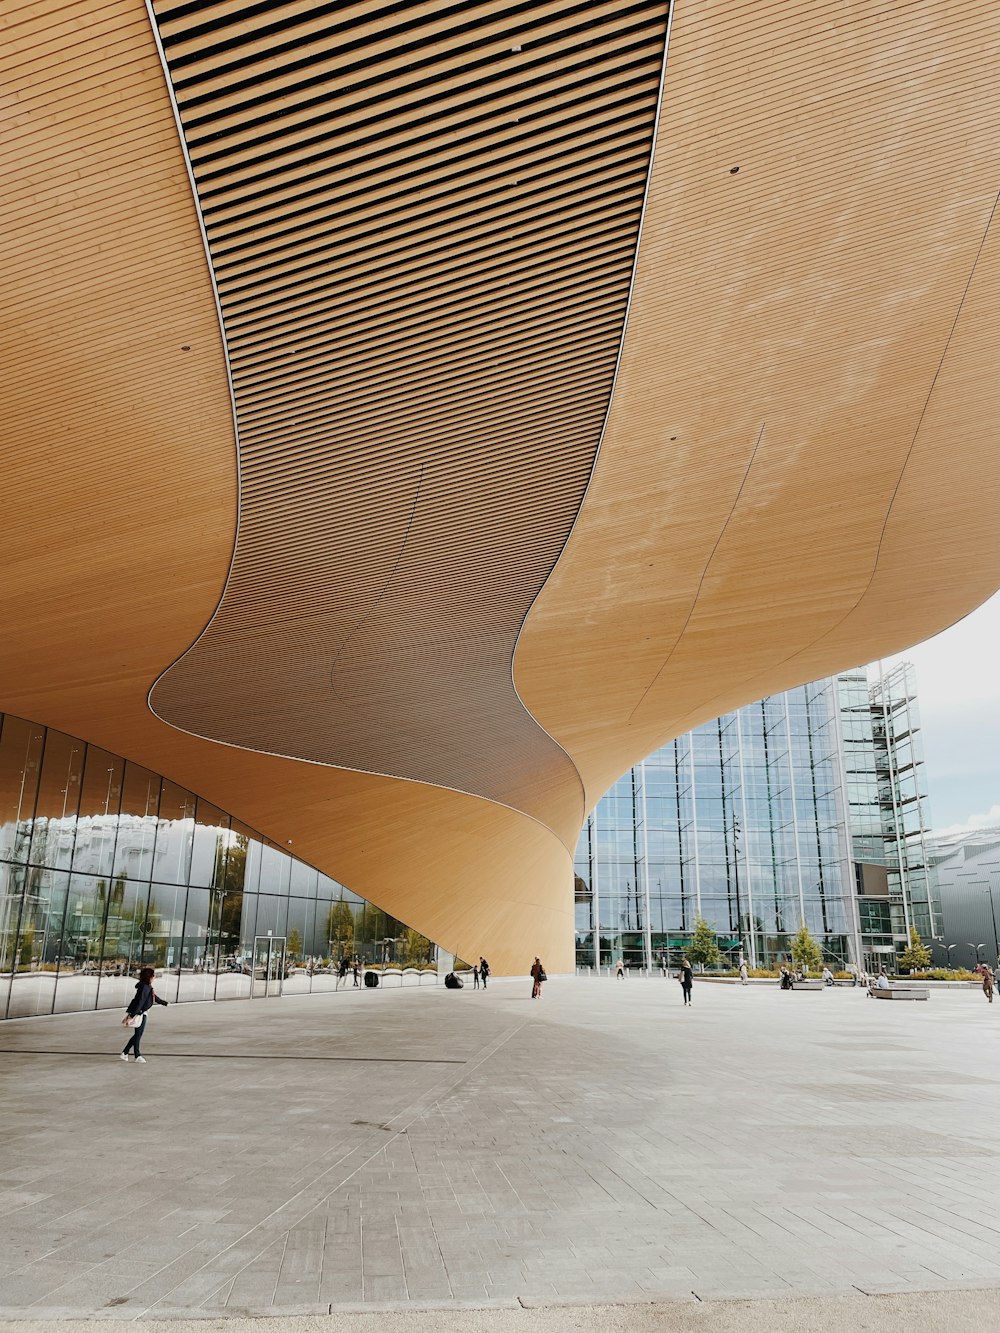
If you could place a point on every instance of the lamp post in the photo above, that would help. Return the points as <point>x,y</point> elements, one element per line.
<point>977,947</point>
<point>947,949</point>
<point>736,880</point>
<point>993,912</point>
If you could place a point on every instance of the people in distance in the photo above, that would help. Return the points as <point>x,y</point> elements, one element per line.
<point>686,977</point>
<point>537,977</point>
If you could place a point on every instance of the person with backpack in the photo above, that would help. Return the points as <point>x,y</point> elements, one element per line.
<point>143,1000</point>
<point>484,971</point>
<point>537,977</point>
<point>686,977</point>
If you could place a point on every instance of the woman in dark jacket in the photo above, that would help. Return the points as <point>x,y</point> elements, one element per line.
<point>686,977</point>
<point>537,977</point>
<point>144,999</point>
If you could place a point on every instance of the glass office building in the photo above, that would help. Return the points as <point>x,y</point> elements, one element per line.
<point>808,806</point>
<point>742,821</point>
<point>966,868</point>
<point>889,813</point>
<point>106,867</point>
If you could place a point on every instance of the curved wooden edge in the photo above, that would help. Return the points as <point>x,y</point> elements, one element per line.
<point>800,470</point>
<point>120,498</point>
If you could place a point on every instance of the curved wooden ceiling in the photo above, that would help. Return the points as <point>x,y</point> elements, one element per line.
<point>801,469</point>
<point>800,466</point>
<point>422,221</point>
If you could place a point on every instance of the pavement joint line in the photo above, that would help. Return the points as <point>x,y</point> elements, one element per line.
<point>208,1055</point>
<point>195,1314</point>
<point>766,1195</point>
<point>413,1111</point>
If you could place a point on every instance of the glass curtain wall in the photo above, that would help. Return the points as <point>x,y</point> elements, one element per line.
<point>881,919</point>
<point>883,757</point>
<point>903,803</point>
<point>106,867</point>
<point>742,822</point>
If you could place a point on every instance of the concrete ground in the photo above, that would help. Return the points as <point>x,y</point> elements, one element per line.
<point>437,1160</point>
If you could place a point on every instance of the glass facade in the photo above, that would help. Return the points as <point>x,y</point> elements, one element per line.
<point>742,821</point>
<point>883,759</point>
<point>899,771</point>
<point>106,867</point>
<point>966,868</point>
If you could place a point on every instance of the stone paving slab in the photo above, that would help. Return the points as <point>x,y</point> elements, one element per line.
<point>888,1312</point>
<point>438,1148</point>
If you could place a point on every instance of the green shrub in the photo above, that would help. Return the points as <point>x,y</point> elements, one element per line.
<point>941,974</point>
<point>751,972</point>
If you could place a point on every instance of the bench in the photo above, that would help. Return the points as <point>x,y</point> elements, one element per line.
<point>807,985</point>
<point>900,993</point>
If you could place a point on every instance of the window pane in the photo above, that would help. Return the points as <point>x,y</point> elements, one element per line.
<point>97,823</point>
<point>58,799</point>
<point>20,757</point>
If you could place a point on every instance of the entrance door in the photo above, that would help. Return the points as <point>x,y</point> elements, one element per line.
<point>267,972</point>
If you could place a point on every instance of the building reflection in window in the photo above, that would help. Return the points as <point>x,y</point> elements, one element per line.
<point>106,867</point>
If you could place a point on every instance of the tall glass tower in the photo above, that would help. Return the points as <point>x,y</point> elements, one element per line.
<point>886,782</point>
<point>742,821</point>
<point>804,807</point>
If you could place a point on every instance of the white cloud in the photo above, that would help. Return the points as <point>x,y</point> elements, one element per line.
<point>958,688</point>
<point>991,819</point>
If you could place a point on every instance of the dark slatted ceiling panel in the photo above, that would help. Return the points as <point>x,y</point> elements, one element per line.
<point>422,220</point>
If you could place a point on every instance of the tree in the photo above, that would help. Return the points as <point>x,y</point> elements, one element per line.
<point>293,944</point>
<point>415,948</point>
<point>805,951</point>
<point>704,947</point>
<point>916,955</point>
<point>340,929</point>
<point>27,948</point>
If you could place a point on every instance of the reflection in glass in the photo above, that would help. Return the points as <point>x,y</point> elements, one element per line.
<point>210,841</point>
<point>174,835</point>
<point>54,825</point>
<point>97,824</point>
<point>106,867</point>
<point>20,758</point>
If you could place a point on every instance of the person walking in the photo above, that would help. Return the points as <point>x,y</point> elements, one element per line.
<point>537,977</point>
<point>744,972</point>
<point>342,971</point>
<point>356,969</point>
<point>143,1000</point>
<point>620,970</point>
<point>988,983</point>
<point>686,977</point>
<point>475,977</point>
<point>484,971</point>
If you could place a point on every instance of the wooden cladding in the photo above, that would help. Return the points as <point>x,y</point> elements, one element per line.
<point>422,220</point>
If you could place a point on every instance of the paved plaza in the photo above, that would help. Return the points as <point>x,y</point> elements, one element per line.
<point>433,1149</point>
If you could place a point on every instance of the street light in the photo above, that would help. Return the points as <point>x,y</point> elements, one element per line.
<point>736,879</point>
<point>948,948</point>
<point>977,947</point>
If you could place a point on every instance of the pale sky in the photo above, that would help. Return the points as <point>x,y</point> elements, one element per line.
<point>958,688</point>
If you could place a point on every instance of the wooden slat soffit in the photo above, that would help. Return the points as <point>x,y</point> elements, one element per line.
<point>422,220</point>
